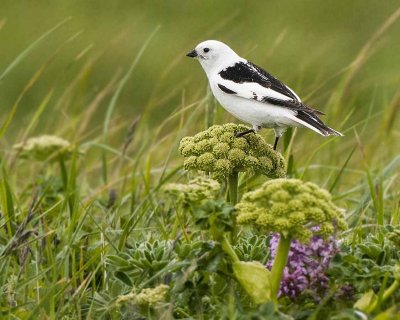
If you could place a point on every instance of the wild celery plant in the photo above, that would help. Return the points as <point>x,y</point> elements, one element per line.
<point>49,148</point>
<point>217,151</point>
<point>189,196</point>
<point>294,209</point>
<point>194,191</point>
<point>46,148</point>
<point>43,148</point>
<point>146,299</point>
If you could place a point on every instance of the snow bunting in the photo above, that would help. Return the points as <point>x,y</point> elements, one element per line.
<point>253,95</point>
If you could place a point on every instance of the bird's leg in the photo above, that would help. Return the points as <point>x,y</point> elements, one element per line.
<point>276,142</point>
<point>278,133</point>
<point>241,134</point>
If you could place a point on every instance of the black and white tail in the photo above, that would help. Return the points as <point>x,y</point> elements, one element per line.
<point>310,120</point>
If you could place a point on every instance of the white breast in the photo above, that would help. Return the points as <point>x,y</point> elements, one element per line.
<point>251,111</point>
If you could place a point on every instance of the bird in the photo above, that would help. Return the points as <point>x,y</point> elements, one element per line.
<point>253,95</point>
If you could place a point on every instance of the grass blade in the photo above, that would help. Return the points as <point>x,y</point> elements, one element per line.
<point>29,49</point>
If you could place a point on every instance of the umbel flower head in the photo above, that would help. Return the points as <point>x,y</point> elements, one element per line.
<point>152,295</point>
<point>218,151</point>
<point>148,296</point>
<point>43,147</point>
<point>293,208</point>
<point>197,189</point>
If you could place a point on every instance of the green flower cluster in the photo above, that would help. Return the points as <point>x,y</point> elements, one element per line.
<point>43,147</point>
<point>218,151</point>
<point>197,189</point>
<point>291,207</point>
<point>148,296</point>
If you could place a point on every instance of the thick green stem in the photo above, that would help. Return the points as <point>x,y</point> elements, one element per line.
<point>388,292</point>
<point>233,199</point>
<point>280,261</point>
<point>233,187</point>
<point>226,246</point>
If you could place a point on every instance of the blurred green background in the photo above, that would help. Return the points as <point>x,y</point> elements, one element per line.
<point>307,44</point>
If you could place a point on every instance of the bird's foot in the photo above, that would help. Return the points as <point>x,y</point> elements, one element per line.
<point>243,133</point>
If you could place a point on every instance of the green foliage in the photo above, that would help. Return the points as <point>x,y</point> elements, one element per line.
<point>218,151</point>
<point>264,311</point>
<point>291,207</point>
<point>365,265</point>
<point>370,302</point>
<point>253,248</point>
<point>216,216</point>
<point>144,261</point>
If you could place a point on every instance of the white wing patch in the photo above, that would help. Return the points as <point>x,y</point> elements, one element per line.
<point>251,90</point>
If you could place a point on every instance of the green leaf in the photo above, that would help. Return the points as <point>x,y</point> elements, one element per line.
<point>7,203</point>
<point>255,280</point>
<point>122,276</point>
<point>366,301</point>
<point>389,314</point>
<point>117,261</point>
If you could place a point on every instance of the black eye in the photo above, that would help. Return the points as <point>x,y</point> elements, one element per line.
<point>206,50</point>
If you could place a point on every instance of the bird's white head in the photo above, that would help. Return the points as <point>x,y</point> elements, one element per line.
<point>212,55</point>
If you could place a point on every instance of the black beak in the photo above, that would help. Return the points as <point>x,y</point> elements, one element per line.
<point>192,54</point>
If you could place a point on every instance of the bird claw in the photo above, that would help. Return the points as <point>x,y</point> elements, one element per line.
<point>243,133</point>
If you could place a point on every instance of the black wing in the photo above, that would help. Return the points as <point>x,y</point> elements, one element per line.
<point>243,72</point>
<point>248,72</point>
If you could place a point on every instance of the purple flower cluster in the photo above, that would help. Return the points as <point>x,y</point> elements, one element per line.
<point>306,266</point>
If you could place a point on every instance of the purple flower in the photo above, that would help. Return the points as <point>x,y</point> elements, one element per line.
<point>306,266</point>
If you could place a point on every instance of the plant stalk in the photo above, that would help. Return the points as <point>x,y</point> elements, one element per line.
<point>233,181</point>
<point>388,292</point>
<point>233,187</point>
<point>279,266</point>
<point>226,246</point>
